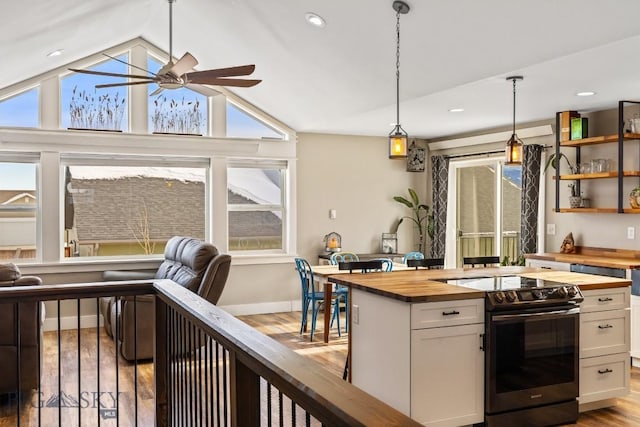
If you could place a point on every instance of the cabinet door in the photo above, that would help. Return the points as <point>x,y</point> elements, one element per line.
<point>604,332</point>
<point>447,375</point>
<point>635,328</point>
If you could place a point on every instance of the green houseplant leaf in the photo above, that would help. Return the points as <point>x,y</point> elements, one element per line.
<point>421,217</point>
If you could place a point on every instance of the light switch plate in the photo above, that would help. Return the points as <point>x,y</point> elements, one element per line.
<point>333,214</point>
<point>355,314</point>
<point>631,233</point>
<point>551,229</point>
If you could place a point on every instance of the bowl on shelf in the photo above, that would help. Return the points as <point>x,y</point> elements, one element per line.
<point>634,198</point>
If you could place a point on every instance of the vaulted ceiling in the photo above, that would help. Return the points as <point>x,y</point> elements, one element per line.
<point>341,78</point>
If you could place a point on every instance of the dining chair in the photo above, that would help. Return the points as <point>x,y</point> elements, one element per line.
<point>387,263</point>
<point>311,297</point>
<point>341,292</point>
<point>429,263</point>
<point>412,255</point>
<point>483,261</point>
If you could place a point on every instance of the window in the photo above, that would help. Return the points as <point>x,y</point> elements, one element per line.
<point>241,124</point>
<point>123,206</point>
<point>85,107</point>
<point>18,207</point>
<point>180,111</point>
<point>20,110</point>
<point>256,206</point>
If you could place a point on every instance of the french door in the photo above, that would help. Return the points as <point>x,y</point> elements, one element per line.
<point>483,214</point>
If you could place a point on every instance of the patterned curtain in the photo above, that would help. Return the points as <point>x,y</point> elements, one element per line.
<point>440,178</point>
<point>531,158</point>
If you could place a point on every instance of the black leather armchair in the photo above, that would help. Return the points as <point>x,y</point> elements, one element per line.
<point>30,334</point>
<point>192,263</point>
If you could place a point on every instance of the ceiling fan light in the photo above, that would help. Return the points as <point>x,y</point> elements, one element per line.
<point>56,52</point>
<point>315,19</point>
<point>398,143</point>
<point>513,152</point>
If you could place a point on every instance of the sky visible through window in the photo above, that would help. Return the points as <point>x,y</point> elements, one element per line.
<point>20,110</point>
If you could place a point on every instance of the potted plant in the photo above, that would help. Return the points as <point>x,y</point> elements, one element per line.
<point>553,161</point>
<point>422,217</point>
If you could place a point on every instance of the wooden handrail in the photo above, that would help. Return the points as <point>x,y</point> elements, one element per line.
<point>326,396</point>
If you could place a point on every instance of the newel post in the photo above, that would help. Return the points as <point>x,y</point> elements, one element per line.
<point>244,394</point>
<point>161,365</point>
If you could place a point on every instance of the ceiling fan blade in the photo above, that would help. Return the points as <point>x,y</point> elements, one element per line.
<point>223,82</point>
<point>243,70</point>
<point>184,64</point>
<point>122,84</point>
<point>103,73</point>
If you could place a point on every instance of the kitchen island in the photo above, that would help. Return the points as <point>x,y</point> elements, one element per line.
<point>417,342</point>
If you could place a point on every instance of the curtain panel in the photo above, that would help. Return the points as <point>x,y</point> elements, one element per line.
<point>531,165</point>
<point>440,180</point>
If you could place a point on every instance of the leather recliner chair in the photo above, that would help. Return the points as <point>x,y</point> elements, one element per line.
<point>30,338</point>
<point>192,263</point>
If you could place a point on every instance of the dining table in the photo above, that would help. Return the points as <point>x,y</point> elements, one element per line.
<point>321,275</point>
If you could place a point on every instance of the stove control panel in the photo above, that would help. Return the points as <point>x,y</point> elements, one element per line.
<point>530,297</point>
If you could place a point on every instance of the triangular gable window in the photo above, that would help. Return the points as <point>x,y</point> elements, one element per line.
<point>20,110</point>
<point>241,124</point>
<point>85,107</point>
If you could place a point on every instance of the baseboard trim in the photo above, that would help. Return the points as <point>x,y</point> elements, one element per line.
<point>262,308</point>
<point>71,322</point>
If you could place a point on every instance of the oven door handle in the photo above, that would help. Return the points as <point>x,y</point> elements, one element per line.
<point>507,317</point>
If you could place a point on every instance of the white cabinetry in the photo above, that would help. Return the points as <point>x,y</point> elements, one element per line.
<point>604,345</point>
<point>635,329</point>
<point>553,265</point>
<point>424,359</point>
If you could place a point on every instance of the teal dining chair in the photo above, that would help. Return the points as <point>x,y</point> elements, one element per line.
<point>341,292</point>
<point>412,255</point>
<point>387,263</point>
<point>311,297</point>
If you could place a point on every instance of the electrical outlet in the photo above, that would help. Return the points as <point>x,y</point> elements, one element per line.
<point>551,229</point>
<point>631,233</point>
<point>355,314</point>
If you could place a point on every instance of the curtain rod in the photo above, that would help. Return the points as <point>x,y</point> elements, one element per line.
<point>484,153</point>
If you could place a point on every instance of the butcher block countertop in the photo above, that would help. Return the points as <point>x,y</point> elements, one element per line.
<point>422,285</point>
<point>598,257</point>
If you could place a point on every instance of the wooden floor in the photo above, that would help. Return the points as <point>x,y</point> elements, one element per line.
<point>283,327</point>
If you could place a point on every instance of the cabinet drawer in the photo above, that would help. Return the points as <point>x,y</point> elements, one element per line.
<point>447,313</point>
<point>605,299</point>
<point>604,332</point>
<point>604,377</point>
<point>552,265</point>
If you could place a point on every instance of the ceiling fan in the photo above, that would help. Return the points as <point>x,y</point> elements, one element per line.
<point>177,75</point>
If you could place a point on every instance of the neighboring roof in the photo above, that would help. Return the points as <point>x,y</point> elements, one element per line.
<point>17,197</point>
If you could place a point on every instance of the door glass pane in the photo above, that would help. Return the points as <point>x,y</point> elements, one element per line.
<point>511,196</point>
<point>18,210</point>
<point>476,201</point>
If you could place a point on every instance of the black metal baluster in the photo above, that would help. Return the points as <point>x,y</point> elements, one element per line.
<point>38,334</point>
<point>183,372</point>
<point>280,408</point>
<point>18,358</point>
<point>224,384</point>
<point>170,394</point>
<point>79,363</point>
<point>293,414</point>
<point>307,419</point>
<point>135,361</point>
<point>191,379</point>
<point>206,381</point>
<point>117,363</point>
<point>218,382</point>
<point>199,341</point>
<point>98,352</point>
<point>269,404</point>
<point>59,370</point>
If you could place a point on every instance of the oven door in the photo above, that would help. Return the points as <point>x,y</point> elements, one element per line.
<point>531,358</point>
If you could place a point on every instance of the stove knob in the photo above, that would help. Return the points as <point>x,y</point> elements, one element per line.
<point>572,291</point>
<point>562,292</point>
<point>499,297</point>
<point>512,296</point>
<point>537,294</point>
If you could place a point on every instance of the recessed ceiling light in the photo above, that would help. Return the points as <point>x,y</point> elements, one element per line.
<point>456,110</point>
<point>585,93</point>
<point>315,20</point>
<point>56,52</point>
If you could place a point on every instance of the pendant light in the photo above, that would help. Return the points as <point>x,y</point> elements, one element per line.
<point>398,136</point>
<point>513,152</point>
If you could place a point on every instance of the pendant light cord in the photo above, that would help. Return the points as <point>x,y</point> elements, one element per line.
<point>514,106</point>
<point>398,68</point>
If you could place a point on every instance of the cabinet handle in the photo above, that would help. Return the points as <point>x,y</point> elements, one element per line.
<point>604,371</point>
<point>482,342</point>
<point>605,299</point>
<point>450,313</point>
<point>607,326</point>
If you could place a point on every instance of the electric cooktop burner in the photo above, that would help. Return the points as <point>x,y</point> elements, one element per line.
<point>509,292</point>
